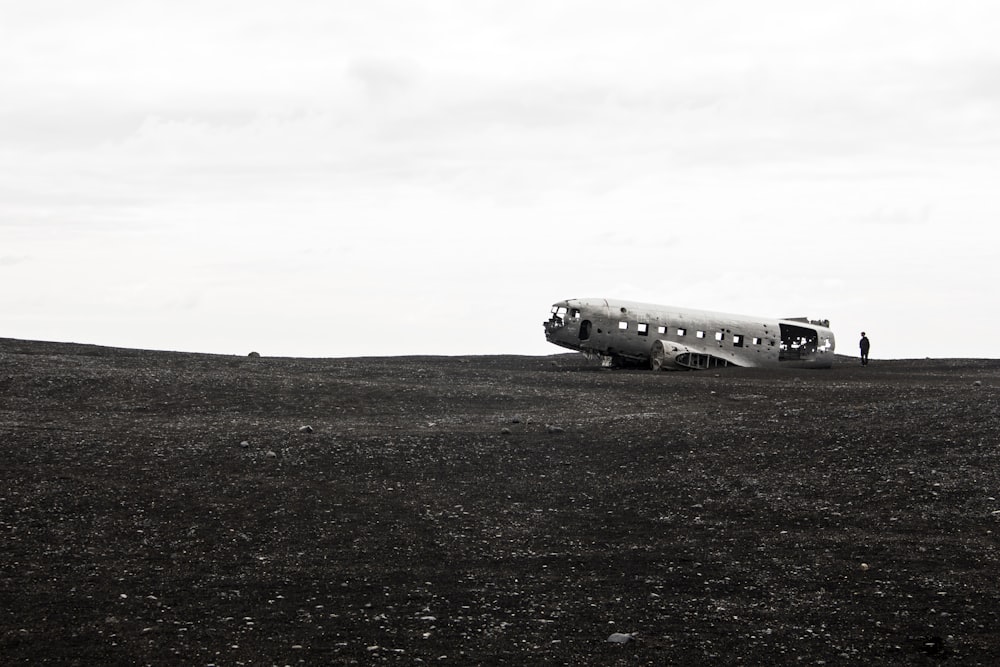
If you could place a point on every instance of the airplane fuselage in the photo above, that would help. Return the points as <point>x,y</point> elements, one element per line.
<point>672,338</point>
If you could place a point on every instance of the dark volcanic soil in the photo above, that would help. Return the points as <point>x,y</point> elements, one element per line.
<point>164,508</point>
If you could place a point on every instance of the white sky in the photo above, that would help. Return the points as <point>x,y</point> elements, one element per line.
<point>317,178</point>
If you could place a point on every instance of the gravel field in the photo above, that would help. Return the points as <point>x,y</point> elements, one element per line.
<point>166,508</point>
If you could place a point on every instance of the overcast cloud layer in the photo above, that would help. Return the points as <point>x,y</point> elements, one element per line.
<point>320,178</point>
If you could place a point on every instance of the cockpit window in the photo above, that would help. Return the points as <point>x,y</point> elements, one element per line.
<point>558,314</point>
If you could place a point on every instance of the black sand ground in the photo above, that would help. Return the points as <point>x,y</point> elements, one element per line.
<point>164,508</point>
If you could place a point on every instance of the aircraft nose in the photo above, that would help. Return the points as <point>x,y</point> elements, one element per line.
<point>551,326</point>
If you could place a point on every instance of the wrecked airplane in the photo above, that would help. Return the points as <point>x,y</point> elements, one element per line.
<point>622,333</point>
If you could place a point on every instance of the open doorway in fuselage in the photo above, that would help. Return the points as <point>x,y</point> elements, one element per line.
<point>797,342</point>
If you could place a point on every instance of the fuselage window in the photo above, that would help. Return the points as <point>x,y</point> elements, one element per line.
<point>681,331</point>
<point>720,336</point>
<point>756,341</point>
<point>699,334</point>
<point>737,340</point>
<point>622,326</point>
<point>574,313</point>
<point>643,328</point>
<point>661,330</point>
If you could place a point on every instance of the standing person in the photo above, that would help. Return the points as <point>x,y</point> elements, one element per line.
<point>865,344</point>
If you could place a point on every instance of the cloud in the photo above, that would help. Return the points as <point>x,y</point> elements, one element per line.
<point>244,163</point>
<point>381,78</point>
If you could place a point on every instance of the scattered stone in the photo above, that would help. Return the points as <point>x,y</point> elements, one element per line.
<point>864,567</point>
<point>245,444</point>
<point>505,431</point>
<point>933,646</point>
<point>552,428</point>
<point>621,637</point>
<point>305,429</point>
<point>254,355</point>
<point>271,454</point>
<point>977,383</point>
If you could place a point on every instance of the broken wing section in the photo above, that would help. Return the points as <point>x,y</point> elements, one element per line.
<point>667,355</point>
